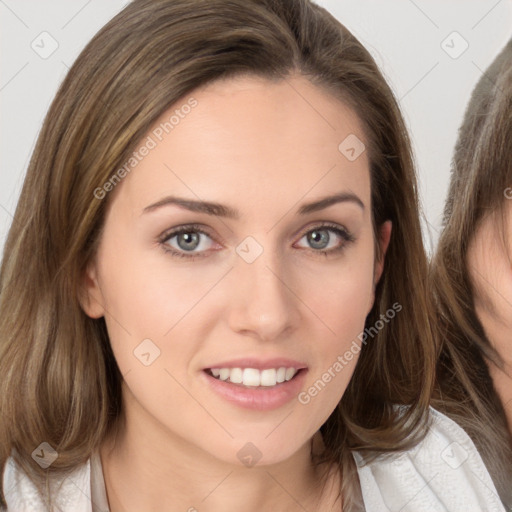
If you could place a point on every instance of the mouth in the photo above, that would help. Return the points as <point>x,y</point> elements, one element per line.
<point>264,389</point>
<point>252,378</point>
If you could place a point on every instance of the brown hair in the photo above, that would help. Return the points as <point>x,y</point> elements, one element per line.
<point>481,172</point>
<point>60,381</point>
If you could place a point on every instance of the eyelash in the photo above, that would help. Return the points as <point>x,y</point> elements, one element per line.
<point>194,228</point>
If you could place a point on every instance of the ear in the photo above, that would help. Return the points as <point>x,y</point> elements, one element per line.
<point>384,237</point>
<point>91,297</point>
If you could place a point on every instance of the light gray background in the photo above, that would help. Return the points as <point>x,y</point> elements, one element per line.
<point>405,37</point>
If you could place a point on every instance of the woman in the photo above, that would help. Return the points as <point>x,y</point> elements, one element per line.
<point>218,208</point>
<point>471,275</point>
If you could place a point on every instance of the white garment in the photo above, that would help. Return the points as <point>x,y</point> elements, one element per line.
<point>444,473</point>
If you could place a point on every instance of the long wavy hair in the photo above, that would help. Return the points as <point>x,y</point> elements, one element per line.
<point>60,381</point>
<point>481,174</point>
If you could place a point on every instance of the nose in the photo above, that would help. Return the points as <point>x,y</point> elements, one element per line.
<point>264,304</point>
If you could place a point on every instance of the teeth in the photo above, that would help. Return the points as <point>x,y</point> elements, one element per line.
<point>236,376</point>
<point>267,377</point>
<point>290,372</point>
<point>252,377</point>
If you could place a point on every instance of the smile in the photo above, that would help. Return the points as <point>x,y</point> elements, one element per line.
<point>257,389</point>
<point>252,377</point>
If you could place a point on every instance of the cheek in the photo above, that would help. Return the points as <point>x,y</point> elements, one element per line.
<point>342,296</point>
<point>491,275</point>
<point>149,296</point>
<point>337,349</point>
<point>345,311</point>
<point>147,291</point>
<point>342,293</point>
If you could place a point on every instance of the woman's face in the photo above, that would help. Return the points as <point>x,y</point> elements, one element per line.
<point>280,276</point>
<point>490,269</point>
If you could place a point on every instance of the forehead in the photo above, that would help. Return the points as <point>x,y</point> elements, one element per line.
<point>247,140</point>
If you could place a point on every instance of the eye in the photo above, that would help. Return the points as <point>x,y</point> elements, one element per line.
<point>322,242</point>
<point>191,241</point>
<point>186,242</point>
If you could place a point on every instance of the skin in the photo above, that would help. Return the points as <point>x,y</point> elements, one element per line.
<point>491,272</point>
<point>265,149</point>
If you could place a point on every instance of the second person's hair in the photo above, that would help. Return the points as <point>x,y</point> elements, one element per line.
<point>481,172</point>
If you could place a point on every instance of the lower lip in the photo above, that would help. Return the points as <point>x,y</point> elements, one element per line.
<point>261,398</point>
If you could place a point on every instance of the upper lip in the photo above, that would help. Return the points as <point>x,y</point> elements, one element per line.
<point>259,364</point>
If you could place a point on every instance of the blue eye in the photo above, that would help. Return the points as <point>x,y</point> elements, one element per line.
<point>189,238</point>
<point>319,238</point>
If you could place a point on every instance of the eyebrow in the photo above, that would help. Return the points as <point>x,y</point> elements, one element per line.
<point>220,210</point>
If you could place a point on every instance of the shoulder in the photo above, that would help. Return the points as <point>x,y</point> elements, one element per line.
<point>442,473</point>
<point>69,493</point>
